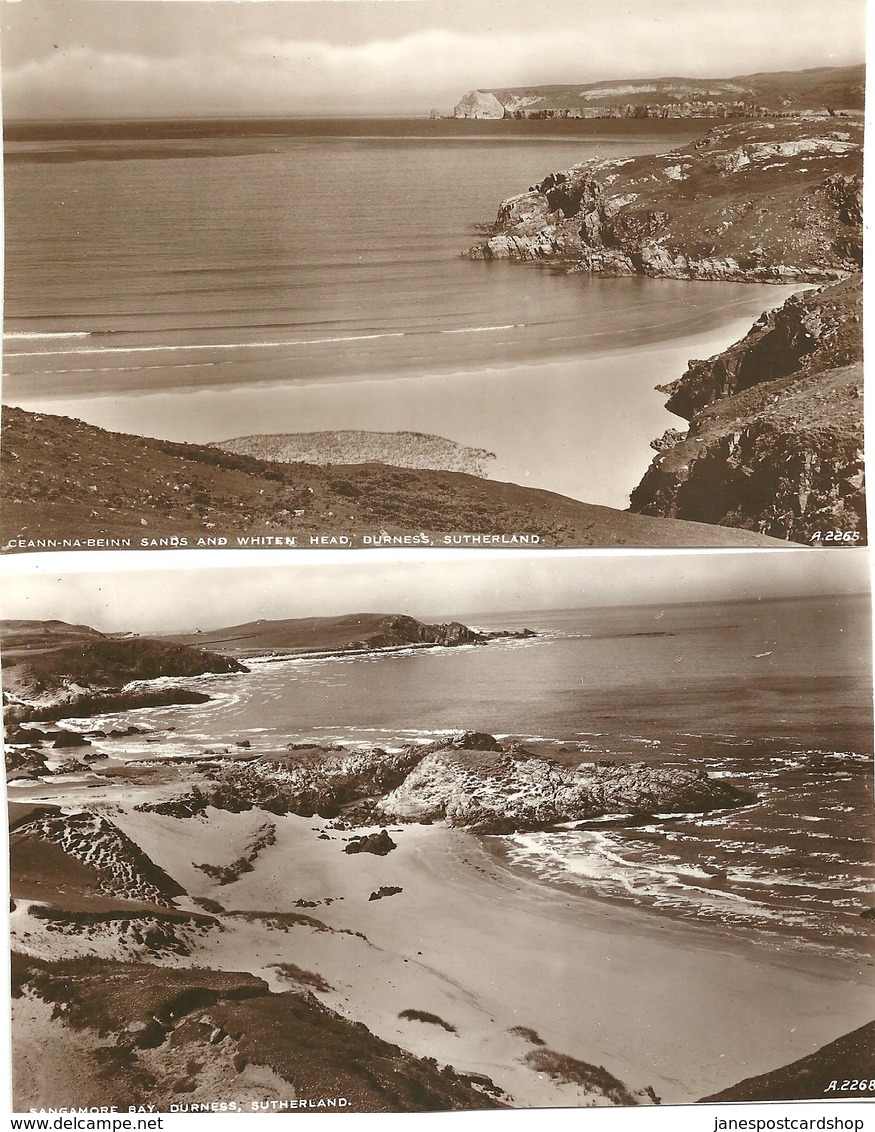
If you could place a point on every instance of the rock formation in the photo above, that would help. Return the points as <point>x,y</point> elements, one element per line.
<point>377,843</point>
<point>776,427</point>
<point>396,449</point>
<point>763,202</point>
<point>472,781</point>
<point>506,790</point>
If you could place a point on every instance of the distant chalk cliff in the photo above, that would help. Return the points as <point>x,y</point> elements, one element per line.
<point>818,90</point>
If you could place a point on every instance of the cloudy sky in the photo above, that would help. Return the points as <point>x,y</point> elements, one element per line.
<point>142,58</point>
<point>167,593</point>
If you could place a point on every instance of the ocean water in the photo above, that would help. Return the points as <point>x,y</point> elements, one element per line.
<point>733,689</point>
<point>198,285</point>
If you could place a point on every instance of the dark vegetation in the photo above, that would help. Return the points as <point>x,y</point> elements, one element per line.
<point>300,975</point>
<point>317,1052</point>
<point>425,1016</point>
<point>227,874</point>
<point>848,1058</point>
<point>593,1078</point>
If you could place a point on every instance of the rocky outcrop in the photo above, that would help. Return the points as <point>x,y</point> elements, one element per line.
<point>53,670</point>
<point>812,332</point>
<point>385,890</point>
<point>761,202</point>
<point>399,630</point>
<point>356,632</point>
<point>377,843</point>
<point>24,763</point>
<point>317,781</point>
<point>479,104</point>
<point>71,739</point>
<point>96,703</point>
<point>397,449</point>
<point>509,790</point>
<point>776,426</point>
<point>472,781</point>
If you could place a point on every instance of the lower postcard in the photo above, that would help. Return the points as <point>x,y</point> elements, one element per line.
<point>484,833</point>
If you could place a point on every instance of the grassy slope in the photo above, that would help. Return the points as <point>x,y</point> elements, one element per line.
<point>847,1058</point>
<point>64,478</point>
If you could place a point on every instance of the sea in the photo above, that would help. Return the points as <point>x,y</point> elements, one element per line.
<point>734,689</point>
<point>199,281</point>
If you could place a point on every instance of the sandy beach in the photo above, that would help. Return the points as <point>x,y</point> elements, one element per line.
<point>578,427</point>
<point>486,950</point>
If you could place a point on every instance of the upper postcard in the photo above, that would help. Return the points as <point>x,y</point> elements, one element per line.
<point>433,274</point>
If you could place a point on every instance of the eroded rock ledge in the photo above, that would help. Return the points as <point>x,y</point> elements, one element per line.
<point>766,202</point>
<point>776,427</point>
<point>472,782</point>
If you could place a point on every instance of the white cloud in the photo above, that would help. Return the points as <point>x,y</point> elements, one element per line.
<point>429,67</point>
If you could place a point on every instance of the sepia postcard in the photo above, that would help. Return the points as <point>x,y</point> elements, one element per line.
<point>548,831</point>
<point>509,747</point>
<point>442,274</point>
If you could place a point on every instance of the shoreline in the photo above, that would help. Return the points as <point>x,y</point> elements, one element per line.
<point>152,689</point>
<point>450,403</point>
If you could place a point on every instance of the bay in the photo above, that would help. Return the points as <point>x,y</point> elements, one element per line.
<point>731,689</point>
<point>310,277</point>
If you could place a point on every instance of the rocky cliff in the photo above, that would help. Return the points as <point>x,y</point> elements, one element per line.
<point>759,202</point>
<point>745,96</point>
<point>776,426</point>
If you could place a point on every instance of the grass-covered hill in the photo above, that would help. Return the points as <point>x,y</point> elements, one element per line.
<point>51,669</point>
<point>63,478</point>
<point>358,631</point>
